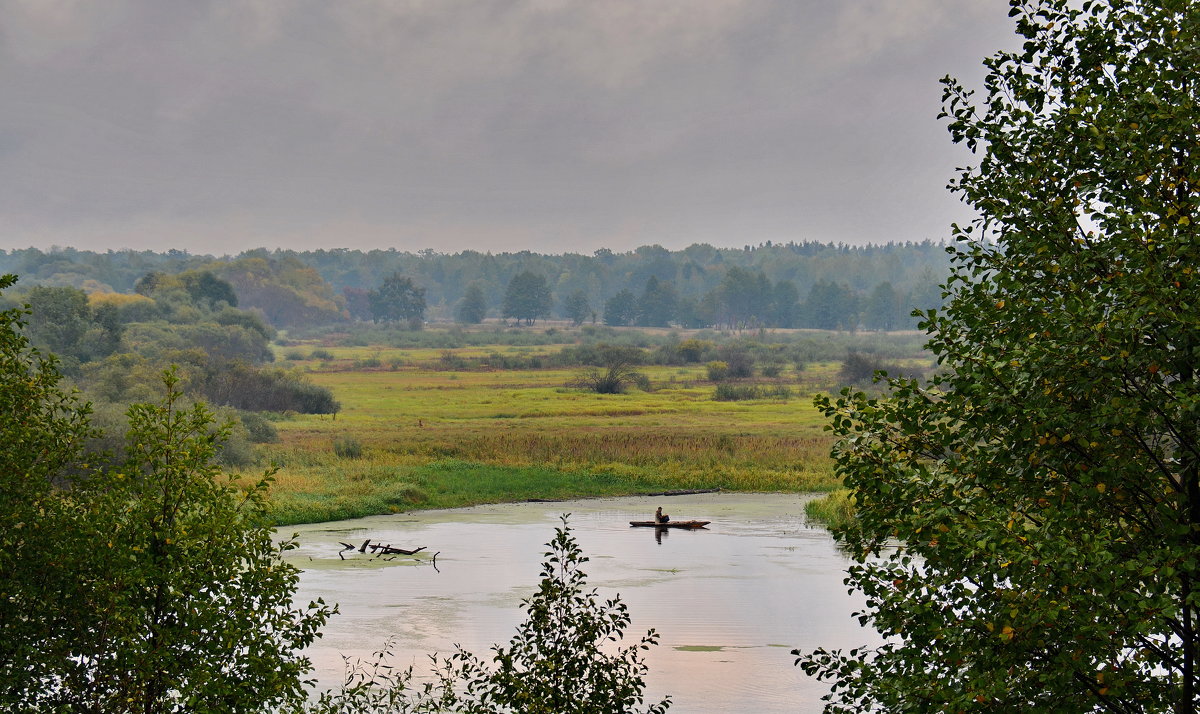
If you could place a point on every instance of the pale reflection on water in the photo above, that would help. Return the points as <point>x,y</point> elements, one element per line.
<point>729,602</point>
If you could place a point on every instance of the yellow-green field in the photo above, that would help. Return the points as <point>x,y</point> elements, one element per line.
<point>432,437</point>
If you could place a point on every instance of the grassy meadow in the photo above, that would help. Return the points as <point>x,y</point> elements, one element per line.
<point>416,433</point>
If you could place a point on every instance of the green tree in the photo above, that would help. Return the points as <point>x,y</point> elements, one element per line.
<point>1028,524</point>
<point>42,432</point>
<point>576,307</point>
<point>186,604</point>
<point>882,308</point>
<point>154,586</point>
<point>207,289</point>
<point>743,298</point>
<point>620,309</point>
<point>785,301</point>
<point>59,317</point>
<point>398,298</point>
<point>831,306</point>
<point>473,307</point>
<point>527,297</point>
<point>656,306</point>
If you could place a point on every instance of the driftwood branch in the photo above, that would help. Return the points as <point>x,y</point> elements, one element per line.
<point>389,550</point>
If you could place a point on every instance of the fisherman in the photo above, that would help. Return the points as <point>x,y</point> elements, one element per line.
<point>660,517</point>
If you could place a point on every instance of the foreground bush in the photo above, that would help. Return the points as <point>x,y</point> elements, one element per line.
<point>561,660</point>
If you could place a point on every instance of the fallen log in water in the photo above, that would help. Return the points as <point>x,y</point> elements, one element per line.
<point>389,550</point>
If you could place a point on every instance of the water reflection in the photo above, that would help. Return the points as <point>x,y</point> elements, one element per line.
<point>729,601</point>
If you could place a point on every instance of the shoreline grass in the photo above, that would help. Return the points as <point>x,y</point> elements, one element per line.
<point>415,433</point>
<point>833,510</point>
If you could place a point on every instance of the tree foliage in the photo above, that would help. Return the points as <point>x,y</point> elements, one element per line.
<point>473,307</point>
<point>621,309</point>
<point>397,298</point>
<point>576,307</point>
<point>42,430</point>
<point>527,297</point>
<point>150,586</point>
<point>1028,524</point>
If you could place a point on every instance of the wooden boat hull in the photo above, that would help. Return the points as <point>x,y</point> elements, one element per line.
<point>669,524</point>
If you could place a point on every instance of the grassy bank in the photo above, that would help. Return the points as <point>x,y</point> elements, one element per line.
<point>834,509</point>
<point>417,433</point>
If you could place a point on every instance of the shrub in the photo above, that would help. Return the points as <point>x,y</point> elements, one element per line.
<point>321,354</point>
<point>259,428</point>
<point>739,392</point>
<point>717,370</point>
<point>739,359</point>
<point>347,447</point>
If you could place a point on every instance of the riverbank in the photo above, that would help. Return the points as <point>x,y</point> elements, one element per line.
<point>417,436</point>
<point>366,490</point>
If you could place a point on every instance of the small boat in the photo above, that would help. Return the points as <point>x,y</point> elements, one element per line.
<point>670,524</point>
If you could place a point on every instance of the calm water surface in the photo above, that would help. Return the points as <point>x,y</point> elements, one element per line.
<point>729,602</point>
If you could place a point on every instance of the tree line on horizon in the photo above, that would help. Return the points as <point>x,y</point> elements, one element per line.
<point>807,284</point>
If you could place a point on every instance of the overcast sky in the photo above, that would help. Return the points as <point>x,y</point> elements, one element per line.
<point>548,125</point>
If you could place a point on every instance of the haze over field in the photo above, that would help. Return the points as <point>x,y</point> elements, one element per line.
<point>533,124</point>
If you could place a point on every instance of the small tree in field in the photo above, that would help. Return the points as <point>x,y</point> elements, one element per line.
<point>398,298</point>
<point>473,307</point>
<point>576,307</point>
<point>1027,529</point>
<point>527,297</point>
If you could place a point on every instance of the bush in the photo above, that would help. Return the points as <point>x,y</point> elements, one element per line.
<point>259,429</point>
<point>347,447</point>
<point>739,392</point>
<point>717,370</point>
<point>739,359</point>
<point>321,354</point>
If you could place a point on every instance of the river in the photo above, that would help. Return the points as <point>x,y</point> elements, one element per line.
<point>730,602</point>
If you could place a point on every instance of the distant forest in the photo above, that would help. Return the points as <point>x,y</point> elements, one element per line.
<point>809,284</point>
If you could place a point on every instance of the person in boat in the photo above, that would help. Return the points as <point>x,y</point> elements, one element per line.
<point>660,517</point>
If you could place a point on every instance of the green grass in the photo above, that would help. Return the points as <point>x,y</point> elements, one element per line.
<point>432,437</point>
<point>833,509</point>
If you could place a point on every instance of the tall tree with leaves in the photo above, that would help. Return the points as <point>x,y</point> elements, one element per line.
<point>656,306</point>
<point>185,604</point>
<point>473,307</point>
<point>398,298</point>
<point>576,307</point>
<point>1028,524</point>
<point>151,587</point>
<point>527,297</point>
<point>42,431</point>
<point>620,309</point>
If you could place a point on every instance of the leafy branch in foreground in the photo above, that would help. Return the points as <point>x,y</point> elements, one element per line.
<point>564,659</point>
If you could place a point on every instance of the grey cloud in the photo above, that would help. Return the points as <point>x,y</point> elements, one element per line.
<point>541,124</point>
